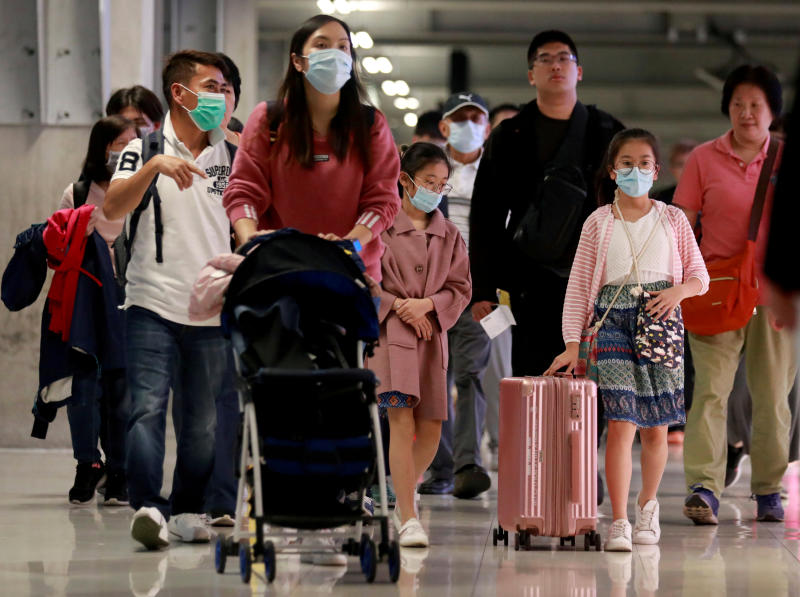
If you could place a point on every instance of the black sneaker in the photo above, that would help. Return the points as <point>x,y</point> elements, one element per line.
<point>87,477</point>
<point>733,470</point>
<point>434,486</point>
<point>116,489</point>
<point>471,481</point>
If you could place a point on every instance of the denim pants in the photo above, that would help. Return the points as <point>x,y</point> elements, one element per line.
<point>194,360</point>
<point>98,409</point>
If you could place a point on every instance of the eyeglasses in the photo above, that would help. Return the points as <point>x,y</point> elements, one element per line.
<point>444,189</point>
<point>548,59</point>
<point>625,167</point>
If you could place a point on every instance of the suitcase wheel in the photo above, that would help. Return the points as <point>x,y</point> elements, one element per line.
<point>494,537</point>
<point>598,544</point>
<point>505,538</point>
<point>516,541</point>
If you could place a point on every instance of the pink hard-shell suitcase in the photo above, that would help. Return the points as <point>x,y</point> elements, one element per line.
<point>547,473</point>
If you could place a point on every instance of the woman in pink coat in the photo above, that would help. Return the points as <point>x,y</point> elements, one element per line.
<point>426,286</point>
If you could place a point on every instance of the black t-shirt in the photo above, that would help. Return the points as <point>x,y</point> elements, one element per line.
<point>549,135</point>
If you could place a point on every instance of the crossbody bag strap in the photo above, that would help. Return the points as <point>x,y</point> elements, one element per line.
<point>635,261</point>
<point>761,189</point>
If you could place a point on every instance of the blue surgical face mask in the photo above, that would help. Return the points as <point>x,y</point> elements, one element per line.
<point>424,199</point>
<point>210,109</point>
<point>636,183</point>
<point>111,162</point>
<point>328,70</point>
<point>466,136</point>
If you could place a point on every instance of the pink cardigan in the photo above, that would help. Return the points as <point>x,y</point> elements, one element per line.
<point>590,262</point>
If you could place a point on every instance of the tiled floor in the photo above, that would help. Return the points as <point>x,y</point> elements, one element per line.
<point>50,548</point>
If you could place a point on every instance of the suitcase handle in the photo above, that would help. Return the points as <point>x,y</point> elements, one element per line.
<point>575,466</point>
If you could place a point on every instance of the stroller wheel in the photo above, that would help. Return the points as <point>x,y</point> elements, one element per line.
<point>220,554</point>
<point>394,561</point>
<point>369,559</point>
<point>245,563</point>
<point>269,561</point>
<point>363,545</point>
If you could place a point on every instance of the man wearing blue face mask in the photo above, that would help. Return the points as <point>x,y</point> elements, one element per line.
<point>457,467</point>
<point>172,181</point>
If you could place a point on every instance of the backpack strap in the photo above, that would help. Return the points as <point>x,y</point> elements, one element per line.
<point>152,145</point>
<point>80,192</point>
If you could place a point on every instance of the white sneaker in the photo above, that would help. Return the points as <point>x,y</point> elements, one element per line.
<point>647,531</point>
<point>149,528</point>
<point>412,534</point>
<point>189,528</point>
<point>619,536</point>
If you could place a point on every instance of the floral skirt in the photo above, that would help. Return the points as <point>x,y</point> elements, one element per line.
<point>645,394</point>
<point>396,400</point>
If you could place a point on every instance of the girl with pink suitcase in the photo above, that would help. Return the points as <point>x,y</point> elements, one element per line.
<point>637,259</point>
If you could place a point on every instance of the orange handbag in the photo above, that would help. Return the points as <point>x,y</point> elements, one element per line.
<point>733,287</point>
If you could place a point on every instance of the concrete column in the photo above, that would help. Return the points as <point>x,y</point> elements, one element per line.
<point>128,33</point>
<point>237,36</point>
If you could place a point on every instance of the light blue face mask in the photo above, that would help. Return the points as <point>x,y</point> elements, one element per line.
<point>424,199</point>
<point>636,183</point>
<point>466,136</point>
<point>210,109</point>
<point>328,70</point>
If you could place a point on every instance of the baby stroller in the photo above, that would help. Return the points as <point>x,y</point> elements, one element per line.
<point>300,317</point>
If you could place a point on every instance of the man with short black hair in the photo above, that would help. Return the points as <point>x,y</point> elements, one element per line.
<point>427,128</point>
<point>502,112</point>
<point>510,176</point>
<point>523,234</point>
<point>165,349</point>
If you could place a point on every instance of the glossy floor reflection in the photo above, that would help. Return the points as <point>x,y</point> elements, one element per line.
<point>50,548</point>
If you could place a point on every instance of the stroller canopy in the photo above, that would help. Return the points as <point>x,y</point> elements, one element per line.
<point>323,276</point>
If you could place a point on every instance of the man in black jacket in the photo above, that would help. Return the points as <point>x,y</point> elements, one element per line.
<point>508,182</point>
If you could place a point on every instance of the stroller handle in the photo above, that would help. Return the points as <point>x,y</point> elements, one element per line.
<point>268,373</point>
<point>351,245</point>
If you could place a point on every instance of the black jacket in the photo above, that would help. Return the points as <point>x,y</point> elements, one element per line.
<point>507,181</point>
<point>781,261</point>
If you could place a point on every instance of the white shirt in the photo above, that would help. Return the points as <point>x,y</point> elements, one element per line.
<point>196,228</point>
<point>462,179</point>
<point>656,262</point>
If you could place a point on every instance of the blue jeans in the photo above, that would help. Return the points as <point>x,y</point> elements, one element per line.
<point>98,408</point>
<point>194,361</point>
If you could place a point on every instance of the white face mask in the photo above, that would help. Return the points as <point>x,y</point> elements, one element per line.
<point>328,70</point>
<point>466,136</point>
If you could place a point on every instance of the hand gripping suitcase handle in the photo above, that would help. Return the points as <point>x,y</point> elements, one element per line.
<point>575,466</point>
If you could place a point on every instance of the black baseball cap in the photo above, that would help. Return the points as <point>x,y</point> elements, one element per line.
<point>461,99</point>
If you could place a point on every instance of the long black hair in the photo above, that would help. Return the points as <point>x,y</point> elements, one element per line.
<point>604,185</point>
<point>349,125</point>
<point>419,155</point>
<point>104,132</point>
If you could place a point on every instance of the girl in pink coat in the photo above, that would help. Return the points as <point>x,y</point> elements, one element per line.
<point>426,286</point>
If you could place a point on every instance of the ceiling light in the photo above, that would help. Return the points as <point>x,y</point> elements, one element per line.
<point>401,103</point>
<point>370,65</point>
<point>410,119</point>
<point>384,65</point>
<point>388,87</point>
<point>363,40</point>
<point>412,103</point>
<point>342,6</point>
<point>401,87</point>
<point>326,6</point>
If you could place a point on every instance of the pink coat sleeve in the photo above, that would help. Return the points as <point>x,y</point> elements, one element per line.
<point>379,201</point>
<point>450,301</point>
<point>693,264</point>
<point>577,302</point>
<point>249,191</point>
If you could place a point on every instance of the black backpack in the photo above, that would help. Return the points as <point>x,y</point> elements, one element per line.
<point>152,145</point>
